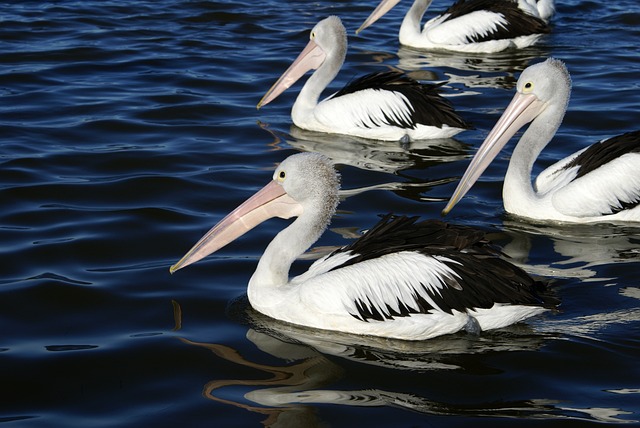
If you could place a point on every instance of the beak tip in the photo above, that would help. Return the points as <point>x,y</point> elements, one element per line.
<point>261,104</point>
<point>447,209</point>
<point>363,27</point>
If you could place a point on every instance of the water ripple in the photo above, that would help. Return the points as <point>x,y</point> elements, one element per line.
<point>129,128</point>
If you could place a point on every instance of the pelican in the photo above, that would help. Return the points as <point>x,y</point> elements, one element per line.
<point>403,279</point>
<point>381,106</point>
<point>481,26</point>
<point>595,184</point>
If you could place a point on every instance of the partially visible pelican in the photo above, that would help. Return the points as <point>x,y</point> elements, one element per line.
<point>472,25</point>
<point>403,279</point>
<point>381,106</point>
<point>598,183</point>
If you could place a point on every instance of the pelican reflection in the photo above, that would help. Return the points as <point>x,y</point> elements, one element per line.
<point>471,70</point>
<point>312,366</point>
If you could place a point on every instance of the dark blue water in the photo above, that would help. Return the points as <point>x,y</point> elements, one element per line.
<point>127,129</point>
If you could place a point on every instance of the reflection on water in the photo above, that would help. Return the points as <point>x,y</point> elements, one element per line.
<point>394,158</point>
<point>372,155</point>
<point>589,325</point>
<point>309,375</point>
<point>470,70</point>
<point>582,247</point>
<point>280,397</point>
<point>435,354</point>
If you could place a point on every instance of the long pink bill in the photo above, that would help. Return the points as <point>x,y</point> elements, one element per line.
<point>271,201</point>
<point>522,109</point>
<point>309,59</point>
<point>384,7</point>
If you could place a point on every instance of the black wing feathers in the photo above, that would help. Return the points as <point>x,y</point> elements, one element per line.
<point>489,280</point>
<point>400,233</point>
<point>518,24</point>
<point>603,152</point>
<point>483,277</point>
<point>426,105</point>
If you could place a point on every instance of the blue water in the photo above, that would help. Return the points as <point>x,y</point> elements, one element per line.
<point>127,129</point>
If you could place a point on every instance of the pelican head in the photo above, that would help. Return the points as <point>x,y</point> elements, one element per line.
<point>327,43</point>
<point>542,90</point>
<point>302,183</point>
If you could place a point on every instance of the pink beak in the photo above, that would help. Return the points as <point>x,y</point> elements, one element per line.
<point>522,109</point>
<point>310,58</point>
<point>271,201</point>
<point>384,7</point>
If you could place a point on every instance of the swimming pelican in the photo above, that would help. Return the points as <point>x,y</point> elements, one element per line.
<point>403,279</point>
<point>382,106</point>
<point>598,183</point>
<point>472,25</point>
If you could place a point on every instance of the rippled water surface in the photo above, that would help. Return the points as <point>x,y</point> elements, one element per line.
<point>129,128</point>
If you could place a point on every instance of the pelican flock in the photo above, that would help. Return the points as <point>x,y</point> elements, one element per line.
<point>382,106</point>
<point>598,183</point>
<point>403,279</point>
<point>481,26</point>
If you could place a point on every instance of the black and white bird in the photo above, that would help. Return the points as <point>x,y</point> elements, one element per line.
<point>382,106</point>
<point>598,183</point>
<point>403,279</point>
<point>482,26</point>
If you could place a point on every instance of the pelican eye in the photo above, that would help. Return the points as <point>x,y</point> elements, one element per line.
<point>528,87</point>
<point>313,35</point>
<point>281,176</point>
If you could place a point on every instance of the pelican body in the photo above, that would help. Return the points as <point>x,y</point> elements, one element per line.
<point>482,26</point>
<point>596,184</point>
<point>382,106</point>
<point>403,279</point>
